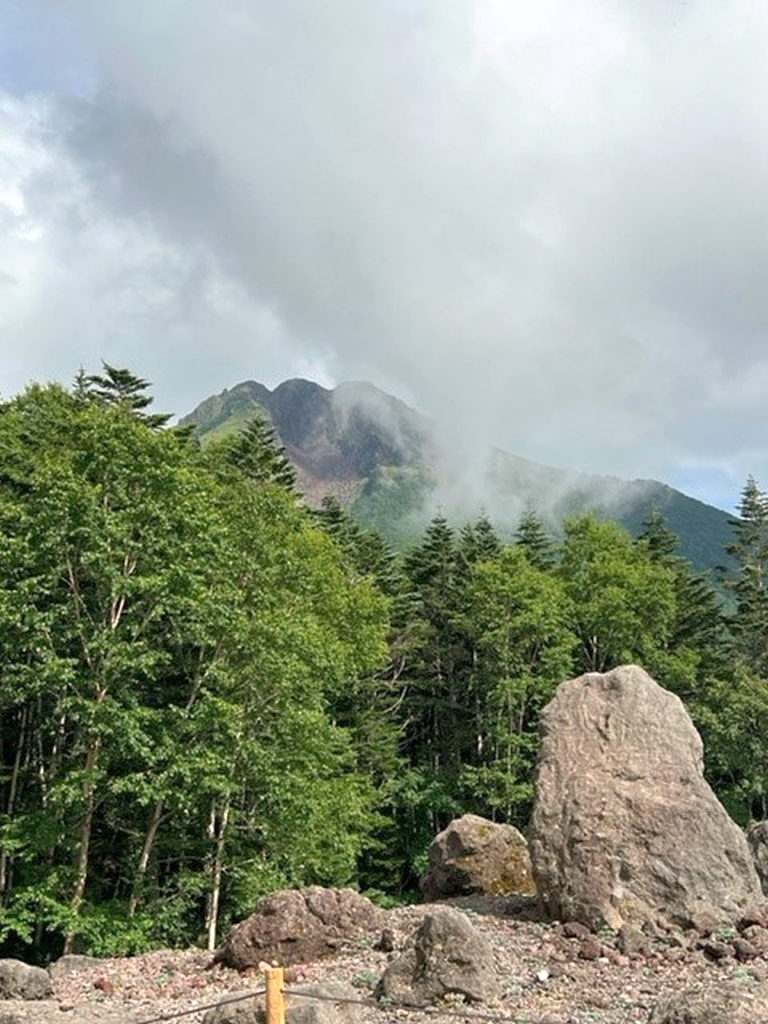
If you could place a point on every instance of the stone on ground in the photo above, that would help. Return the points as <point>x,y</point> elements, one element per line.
<point>446,957</point>
<point>21,981</point>
<point>721,1004</point>
<point>337,1003</point>
<point>625,829</point>
<point>298,926</point>
<point>474,855</point>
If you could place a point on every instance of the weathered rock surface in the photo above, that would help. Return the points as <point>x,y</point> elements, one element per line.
<point>446,956</point>
<point>721,1004</point>
<point>71,963</point>
<point>298,926</point>
<point>474,855</point>
<point>21,981</point>
<point>757,838</point>
<point>625,829</point>
<point>336,1003</point>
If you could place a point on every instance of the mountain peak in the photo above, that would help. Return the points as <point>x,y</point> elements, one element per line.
<point>379,458</point>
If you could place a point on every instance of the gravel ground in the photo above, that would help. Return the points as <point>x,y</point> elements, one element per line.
<point>548,977</point>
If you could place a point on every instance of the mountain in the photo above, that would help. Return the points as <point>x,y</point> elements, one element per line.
<point>340,441</point>
<point>384,462</point>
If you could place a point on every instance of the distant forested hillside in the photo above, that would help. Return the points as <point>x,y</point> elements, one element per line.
<point>380,459</point>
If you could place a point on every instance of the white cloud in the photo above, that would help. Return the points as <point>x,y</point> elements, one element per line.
<point>547,219</point>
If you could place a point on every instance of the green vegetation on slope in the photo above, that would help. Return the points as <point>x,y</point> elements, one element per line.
<point>208,691</point>
<point>356,432</point>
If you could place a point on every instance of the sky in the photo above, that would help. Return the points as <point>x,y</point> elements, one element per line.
<point>544,225</point>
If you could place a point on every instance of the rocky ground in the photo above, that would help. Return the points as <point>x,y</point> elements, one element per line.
<point>550,975</point>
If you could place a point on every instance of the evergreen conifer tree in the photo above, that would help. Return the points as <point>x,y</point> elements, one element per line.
<point>256,451</point>
<point>118,386</point>
<point>535,541</point>
<point>750,589</point>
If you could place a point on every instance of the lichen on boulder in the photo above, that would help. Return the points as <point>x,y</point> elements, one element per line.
<point>475,855</point>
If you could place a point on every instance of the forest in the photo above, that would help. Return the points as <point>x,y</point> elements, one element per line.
<point>209,691</point>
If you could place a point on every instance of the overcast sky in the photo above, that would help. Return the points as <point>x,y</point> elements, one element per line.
<point>546,223</point>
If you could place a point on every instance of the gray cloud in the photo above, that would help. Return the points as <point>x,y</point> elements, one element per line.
<point>546,227</point>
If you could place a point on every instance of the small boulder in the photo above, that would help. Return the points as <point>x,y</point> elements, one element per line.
<point>330,1002</point>
<point>298,926</point>
<point>69,964</point>
<point>474,855</point>
<point>625,829</point>
<point>21,981</point>
<point>446,956</point>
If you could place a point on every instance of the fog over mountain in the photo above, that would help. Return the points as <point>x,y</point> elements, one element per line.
<point>394,470</point>
<point>543,224</point>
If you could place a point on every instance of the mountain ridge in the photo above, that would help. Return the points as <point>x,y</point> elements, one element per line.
<point>381,459</point>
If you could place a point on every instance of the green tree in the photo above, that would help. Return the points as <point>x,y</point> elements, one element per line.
<point>478,542</point>
<point>535,541</point>
<point>257,453</point>
<point>698,648</point>
<point>437,651</point>
<point>623,603</point>
<point>172,641</point>
<point>520,618</point>
<point>365,551</point>
<point>118,386</point>
<point>750,551</point>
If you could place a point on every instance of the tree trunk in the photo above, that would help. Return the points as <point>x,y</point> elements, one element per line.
<point>86,829</point>
<point>217,869</point>
<point>10,804</point>
<point>146,851</point>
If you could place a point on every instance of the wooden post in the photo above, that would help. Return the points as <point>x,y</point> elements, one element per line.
<point>275,1004</point>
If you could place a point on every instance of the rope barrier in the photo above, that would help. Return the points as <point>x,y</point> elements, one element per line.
<point>276,1006</point>
<point>252,993</point>
<point>427,1011</point>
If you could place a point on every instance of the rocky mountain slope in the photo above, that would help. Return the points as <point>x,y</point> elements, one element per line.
<point>383,461</point>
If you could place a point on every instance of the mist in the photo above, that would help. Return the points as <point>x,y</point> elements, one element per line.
<point>543,227</point>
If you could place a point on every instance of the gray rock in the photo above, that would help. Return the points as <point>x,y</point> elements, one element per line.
<point>757,838</point>
<point>474,855</point>
<point>723,1004</point>
<point>295,926</point>
<point>446,956</point>
<point>240,1008</point>
<point>71,963</point>
<point>21,981</point>
<point>625,829</point>
<point>334,1003</point>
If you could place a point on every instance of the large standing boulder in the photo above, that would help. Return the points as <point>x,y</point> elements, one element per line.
<point>298,926</point>
<point>757,838</point>
<point>625,829</point>
<point>446,956</point>
<point>474,855</point>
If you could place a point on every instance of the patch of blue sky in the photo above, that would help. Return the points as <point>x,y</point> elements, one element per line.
<point>713,485</point>
<point>43,51</point>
